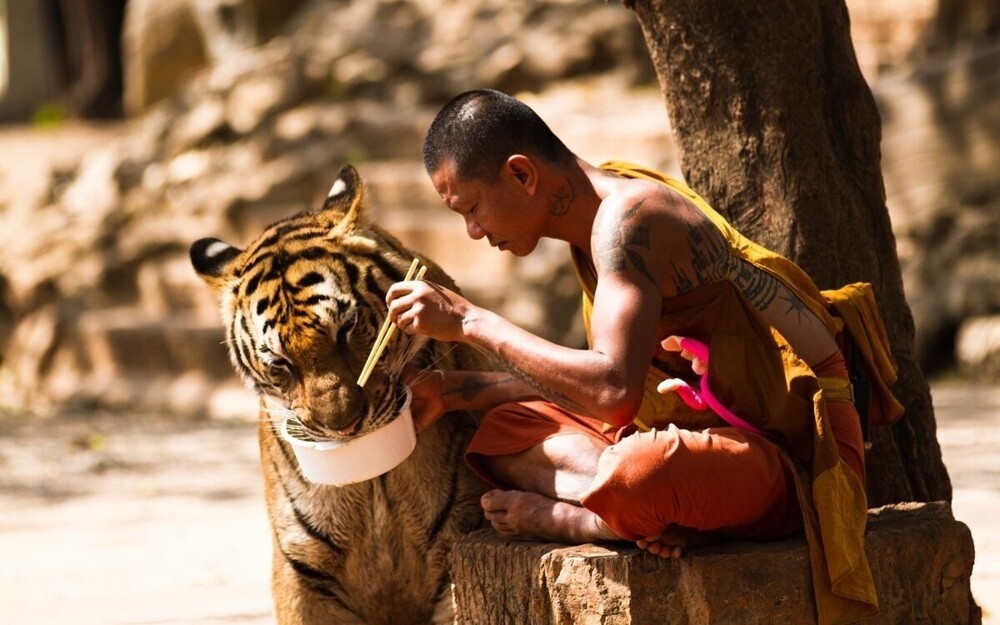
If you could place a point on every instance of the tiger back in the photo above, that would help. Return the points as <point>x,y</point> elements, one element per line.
<point>302,306</point>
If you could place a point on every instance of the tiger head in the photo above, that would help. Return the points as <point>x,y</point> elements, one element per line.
<point>302,306</point>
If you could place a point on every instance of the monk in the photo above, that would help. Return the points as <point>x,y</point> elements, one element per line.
<point>577,443</point>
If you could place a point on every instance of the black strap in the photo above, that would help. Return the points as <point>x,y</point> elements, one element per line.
<point>862,387</point>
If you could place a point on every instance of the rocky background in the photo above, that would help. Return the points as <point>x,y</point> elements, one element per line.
<point>241,112</point>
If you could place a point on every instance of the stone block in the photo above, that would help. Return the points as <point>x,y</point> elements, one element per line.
<point>124,341</point>
<point>921,558</point>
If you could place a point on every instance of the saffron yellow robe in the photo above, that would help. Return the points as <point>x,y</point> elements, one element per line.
<point>756,374</point>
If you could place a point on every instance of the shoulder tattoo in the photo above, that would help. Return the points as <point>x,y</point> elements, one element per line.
<point>626,247</point>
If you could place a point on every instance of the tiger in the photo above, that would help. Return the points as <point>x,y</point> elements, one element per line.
<point>301,306</point>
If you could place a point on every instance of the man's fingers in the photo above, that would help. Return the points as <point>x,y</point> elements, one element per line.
<point>669,386</point>
<point>699,366</point>
<point>671,344</point>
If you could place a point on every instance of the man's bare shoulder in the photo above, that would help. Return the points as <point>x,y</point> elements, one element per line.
<point>650,230</point>
<point>634,202</point>
<point>632,216</point>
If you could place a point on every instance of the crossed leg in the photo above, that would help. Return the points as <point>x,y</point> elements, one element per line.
<point>565,479</point>
<point>548,481</point>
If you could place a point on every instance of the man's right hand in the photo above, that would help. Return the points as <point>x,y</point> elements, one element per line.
<point>428,309</point>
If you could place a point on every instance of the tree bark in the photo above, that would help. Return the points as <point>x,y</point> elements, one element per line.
<point>777,128</point>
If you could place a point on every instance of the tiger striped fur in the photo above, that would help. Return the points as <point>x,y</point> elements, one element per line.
<point>301,307</point>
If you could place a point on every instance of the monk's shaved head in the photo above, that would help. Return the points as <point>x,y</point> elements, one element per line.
<point>478,130</point>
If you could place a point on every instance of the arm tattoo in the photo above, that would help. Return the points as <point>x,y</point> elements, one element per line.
<point>610,256</point>
<point>550,394</point>
<point>761,289</point>
<point>472,386</point>
<point>758,286</point>
<point>681,280</point>
<point>796,305</point>
<point>709,256</point>
<point>710,259</point>
<point>626,247</point>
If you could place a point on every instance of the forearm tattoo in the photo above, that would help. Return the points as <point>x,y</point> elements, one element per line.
<point>548,393</point>
<point>626,247</point>
<point>472,386</point>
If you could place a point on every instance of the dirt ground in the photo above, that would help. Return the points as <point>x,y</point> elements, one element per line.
<point>114,519</point>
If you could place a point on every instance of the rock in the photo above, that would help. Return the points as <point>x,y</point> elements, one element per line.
<point>251,101</point>
<point>198,125</point>
<point>166,42</point>
<point>978,348</point>
<point>945,210</point>
<point>500,581</point>
<point>161,46</point>
<point>30,64</point>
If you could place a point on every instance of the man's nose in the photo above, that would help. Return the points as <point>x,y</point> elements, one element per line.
<point>474,230</point>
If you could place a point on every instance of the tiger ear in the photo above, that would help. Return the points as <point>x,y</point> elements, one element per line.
<point>213,261</point>
<point>345,197</point>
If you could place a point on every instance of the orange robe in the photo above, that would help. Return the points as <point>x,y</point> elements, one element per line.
<point>809,471</point>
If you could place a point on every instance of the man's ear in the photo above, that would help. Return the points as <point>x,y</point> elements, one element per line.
<point>524,171</point>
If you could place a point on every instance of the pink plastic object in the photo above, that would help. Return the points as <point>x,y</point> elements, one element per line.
<point>704,399</point>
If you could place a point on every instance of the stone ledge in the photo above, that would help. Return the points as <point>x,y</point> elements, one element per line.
<point>921,558</point>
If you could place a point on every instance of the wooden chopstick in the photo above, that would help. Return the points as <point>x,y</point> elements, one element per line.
<point>380,346</point>
<point>385,324</point>
<point>387,330</point>
<point>374,353</point>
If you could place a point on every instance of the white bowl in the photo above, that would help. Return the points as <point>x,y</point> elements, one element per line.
<point>358,459</point>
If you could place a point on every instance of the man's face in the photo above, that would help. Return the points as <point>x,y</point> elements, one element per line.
<point>499,211</point>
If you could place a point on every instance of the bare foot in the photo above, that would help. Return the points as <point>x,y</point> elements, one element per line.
<point>671,542</point>
<point>520,513</point>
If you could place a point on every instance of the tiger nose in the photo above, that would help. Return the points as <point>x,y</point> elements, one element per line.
<point>336,405</point>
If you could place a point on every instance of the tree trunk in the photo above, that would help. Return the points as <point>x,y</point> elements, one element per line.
<point>777,128</point>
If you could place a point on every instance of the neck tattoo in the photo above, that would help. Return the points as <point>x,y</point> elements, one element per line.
<point>561,199</point>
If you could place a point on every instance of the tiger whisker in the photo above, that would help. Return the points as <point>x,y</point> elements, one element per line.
<point>441,357</point>
<point>276,414</point>
<point>425,369</point>
<point>423,375</point>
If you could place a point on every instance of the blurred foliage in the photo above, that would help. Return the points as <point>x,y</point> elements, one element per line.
<point>50,115</point>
